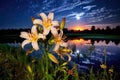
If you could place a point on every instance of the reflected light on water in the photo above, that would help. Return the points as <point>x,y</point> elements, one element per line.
<point>79,41</point>
<point>103,43</point>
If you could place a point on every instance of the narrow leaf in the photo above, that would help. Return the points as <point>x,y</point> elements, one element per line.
<point>53,58</point>
<point>29,69</point>
<point>65,63</point>
<point>62,25</point>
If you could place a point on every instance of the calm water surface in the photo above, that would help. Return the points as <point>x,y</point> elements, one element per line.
<point>91,52</point>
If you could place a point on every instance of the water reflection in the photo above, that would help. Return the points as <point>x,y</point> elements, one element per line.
<point>90,50</point>
<point>17,39</point>
<point>94,41</point>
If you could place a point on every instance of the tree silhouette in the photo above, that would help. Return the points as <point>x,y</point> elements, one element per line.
<point>98,29</point>
<point>93,28</point>
<point>117,27</point>
<point>117,30</point>
<point>108,28</point>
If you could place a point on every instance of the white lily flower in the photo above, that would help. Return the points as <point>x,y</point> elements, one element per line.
<point>47,23</point>
<point>31,38</point>
<point>59,41</point>
<point>64,52</point>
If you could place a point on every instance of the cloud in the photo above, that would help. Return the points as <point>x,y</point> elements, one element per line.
<point>96,11</point>
<point>73,9</point>
<point>89,7</point>
<point>100,18</point>
<point>76,15</point>
<point>45,1</point>
<point>98,15</point>
<point>68,6</point>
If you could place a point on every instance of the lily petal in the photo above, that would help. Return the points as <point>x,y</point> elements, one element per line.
<point>25,42</point>
<point>69,57</point>
<point>64,44</point>
<point>41,36</point>
<point>61,33</point>
<point>35,45</point>
<point>46,31</point>
<point>51,16</point>
<point>43,16</point>
<point>56,47</point>
<point>37,21</point>
<point>71,52</point>
<point>54,31</point>
<point>55,23</point>
<point>62,57</point>
<point>24,35</point>
<point>34,30</point>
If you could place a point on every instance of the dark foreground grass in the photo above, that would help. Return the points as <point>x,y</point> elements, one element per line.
<point>16,65</point>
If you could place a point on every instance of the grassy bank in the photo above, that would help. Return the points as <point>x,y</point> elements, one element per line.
<point>16,65</point>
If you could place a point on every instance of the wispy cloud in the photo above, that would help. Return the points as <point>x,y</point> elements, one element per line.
<point>85,10</point>
<point>99,18</point>
<point>76,15</point>
<point>98,15</point>
<point>68,6</point>
<point>89,7</point>
<point>96,12</point>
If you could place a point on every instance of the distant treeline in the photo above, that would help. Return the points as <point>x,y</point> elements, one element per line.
<point>12,31</point>
<point>107,30</point>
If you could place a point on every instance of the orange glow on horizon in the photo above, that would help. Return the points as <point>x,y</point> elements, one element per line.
<point>77,27</point>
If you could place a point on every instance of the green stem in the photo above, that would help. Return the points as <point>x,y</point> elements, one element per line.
<point>105,72</point>
<point>46,59</point>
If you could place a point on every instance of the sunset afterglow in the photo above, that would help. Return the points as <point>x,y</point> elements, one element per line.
<point>77,27</point>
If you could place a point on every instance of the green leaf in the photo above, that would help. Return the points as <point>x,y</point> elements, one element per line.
<point>53,58</point>
<point>62,24</point>
<point>64,64</point>
<point>51,41</point>
<point>48,76</point>
<point>29,69</point>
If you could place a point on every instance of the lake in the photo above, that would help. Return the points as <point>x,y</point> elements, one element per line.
<point>91,51</point>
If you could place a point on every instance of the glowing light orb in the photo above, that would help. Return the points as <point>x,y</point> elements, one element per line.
<point>77,51</point>
<point>77,17</point>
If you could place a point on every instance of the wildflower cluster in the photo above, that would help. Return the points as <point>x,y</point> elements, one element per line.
<point>41,29</point>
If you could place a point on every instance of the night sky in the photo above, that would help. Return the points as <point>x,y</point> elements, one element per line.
<point>78,13</point>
